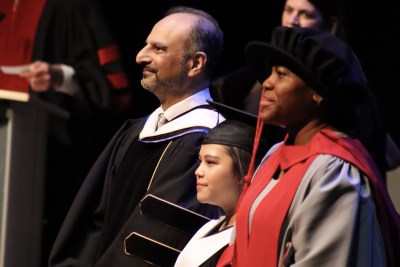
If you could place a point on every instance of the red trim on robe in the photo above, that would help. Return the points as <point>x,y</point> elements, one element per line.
<point>122,102</point>
<point>17,36</point>
<point>248,247</point>
<point>118,80</point>
<point>108,54</point>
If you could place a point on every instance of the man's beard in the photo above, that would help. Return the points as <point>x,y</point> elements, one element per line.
<point>158,85</point>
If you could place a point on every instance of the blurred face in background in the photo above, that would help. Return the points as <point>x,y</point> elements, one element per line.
<point>301,13</point>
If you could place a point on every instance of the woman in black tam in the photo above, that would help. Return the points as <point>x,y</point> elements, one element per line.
<point>318,198</point>
<point>224,159</point>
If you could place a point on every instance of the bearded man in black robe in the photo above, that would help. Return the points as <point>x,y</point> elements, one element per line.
<point>138,206</point>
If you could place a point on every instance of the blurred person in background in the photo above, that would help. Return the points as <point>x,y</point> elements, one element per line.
<point>74,64</point>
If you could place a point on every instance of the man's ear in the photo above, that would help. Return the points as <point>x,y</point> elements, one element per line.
<point>197,63</point>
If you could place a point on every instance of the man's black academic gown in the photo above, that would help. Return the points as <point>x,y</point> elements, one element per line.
<point>108,207</point>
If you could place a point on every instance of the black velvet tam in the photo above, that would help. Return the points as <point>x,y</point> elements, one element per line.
<point>323,61</point>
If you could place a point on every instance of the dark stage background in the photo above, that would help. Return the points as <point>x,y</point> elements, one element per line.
<point>372,29</point>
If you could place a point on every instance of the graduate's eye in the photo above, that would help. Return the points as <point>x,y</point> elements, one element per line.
<point>211,162</point>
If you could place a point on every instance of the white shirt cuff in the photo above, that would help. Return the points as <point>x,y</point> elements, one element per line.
<point>69,86</point>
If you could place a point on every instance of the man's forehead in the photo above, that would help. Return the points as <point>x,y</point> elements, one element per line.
<point>172,30</point>
<point>177,21</point>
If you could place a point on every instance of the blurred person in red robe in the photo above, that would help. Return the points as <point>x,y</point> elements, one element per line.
<point>72,62</point>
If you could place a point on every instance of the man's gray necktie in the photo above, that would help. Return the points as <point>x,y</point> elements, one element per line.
<point>161,120</point>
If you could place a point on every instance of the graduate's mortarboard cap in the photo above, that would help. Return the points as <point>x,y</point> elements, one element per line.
<point>239,130</point>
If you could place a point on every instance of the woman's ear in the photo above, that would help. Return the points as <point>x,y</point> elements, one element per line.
<point>317,99</point>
